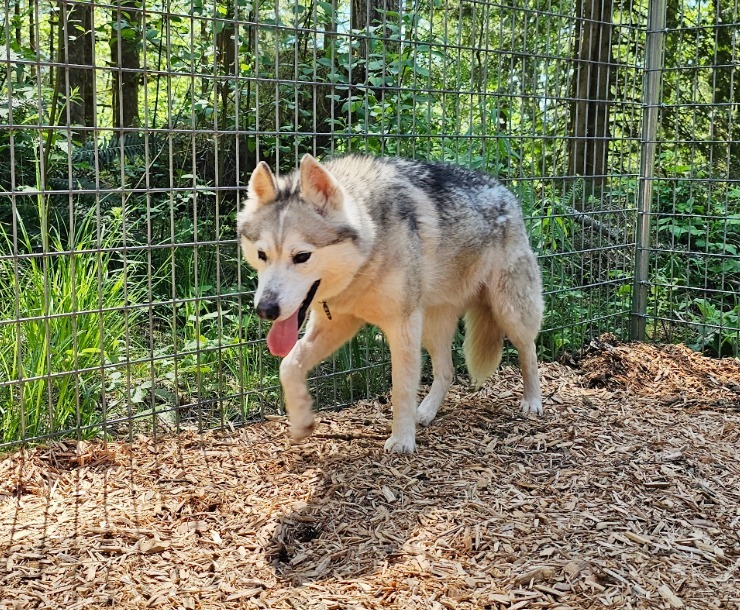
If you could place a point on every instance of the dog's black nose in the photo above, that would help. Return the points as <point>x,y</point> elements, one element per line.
<point>268,310</point>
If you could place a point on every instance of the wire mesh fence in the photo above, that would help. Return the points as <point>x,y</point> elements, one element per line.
<point>693,276</point>
<point>128,131</point>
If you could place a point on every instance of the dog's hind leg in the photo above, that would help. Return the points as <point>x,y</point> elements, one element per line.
<point>516,298</point>
<point>322,338</point>
<point>404,340</point>
<point>437,335</point>
<point>532,399</point>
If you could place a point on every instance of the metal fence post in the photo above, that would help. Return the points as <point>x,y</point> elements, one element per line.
<point>652,78</point>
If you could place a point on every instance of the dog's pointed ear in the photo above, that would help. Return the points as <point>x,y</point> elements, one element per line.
<point>262,185</point>
<point>318,186</point>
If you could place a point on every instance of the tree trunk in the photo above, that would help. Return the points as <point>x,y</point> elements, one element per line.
<point>76,46</point>
<point>18,32</point>
<point>725,132</point>
<point>589,111</point>
<point>367,14</point>
<point>124,52</point>
<point>32,38</point>
<point>226,72</point>
<point>360,20</point>
<point>204,81</point>
<point>17,13</point>
<point>226,62</point>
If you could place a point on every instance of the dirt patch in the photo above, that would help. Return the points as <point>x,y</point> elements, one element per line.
<point>617,497</point>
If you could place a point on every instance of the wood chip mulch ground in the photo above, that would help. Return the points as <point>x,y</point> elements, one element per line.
<point>626,494</point>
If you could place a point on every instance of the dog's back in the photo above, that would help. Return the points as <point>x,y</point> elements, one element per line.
<point>445,227</point>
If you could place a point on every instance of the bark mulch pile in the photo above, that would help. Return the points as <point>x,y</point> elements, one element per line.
<point>626,494</point>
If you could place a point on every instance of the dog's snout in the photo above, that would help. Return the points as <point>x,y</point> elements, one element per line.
<point>268,310</point>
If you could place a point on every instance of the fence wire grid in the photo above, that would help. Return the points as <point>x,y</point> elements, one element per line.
<point>128,131</point>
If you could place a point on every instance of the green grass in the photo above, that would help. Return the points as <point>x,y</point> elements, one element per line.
<point>69,302</point>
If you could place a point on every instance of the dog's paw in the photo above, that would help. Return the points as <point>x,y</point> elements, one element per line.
<point>302,427</point>
<point>298,434</point>
<point>532,406</point>
<point>425,414</point>
<point>398,444</point>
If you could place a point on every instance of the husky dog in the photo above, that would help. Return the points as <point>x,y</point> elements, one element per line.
<point>406,245</point>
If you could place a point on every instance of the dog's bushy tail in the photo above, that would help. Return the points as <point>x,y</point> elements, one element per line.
<point>484,341</point>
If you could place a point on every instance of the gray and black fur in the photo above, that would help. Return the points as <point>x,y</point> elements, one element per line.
<point>409,246</point>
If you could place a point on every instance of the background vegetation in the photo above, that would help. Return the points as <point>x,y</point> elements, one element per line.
<point>128,131</point>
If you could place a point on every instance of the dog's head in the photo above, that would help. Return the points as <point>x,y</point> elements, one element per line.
<point>299,235</point>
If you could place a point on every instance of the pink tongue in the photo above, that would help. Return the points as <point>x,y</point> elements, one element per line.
<point>283,336</point>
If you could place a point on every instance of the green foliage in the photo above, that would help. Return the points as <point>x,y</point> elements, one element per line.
<point>716,325</point>
<point>573,313</point>
<point>68,301</point>
<point>359,369</point>
<point>217,359</point>
<point>107,152</point>
<point>696,271</point>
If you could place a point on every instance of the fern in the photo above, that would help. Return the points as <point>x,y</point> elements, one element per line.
<point>131,147</point>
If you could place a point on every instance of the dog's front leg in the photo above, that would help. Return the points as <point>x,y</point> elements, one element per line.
<point>323,337</point>
<point>404,339</point>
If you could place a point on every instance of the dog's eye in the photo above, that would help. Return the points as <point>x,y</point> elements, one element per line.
<point>261,255</point>
<point>301,257</point>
